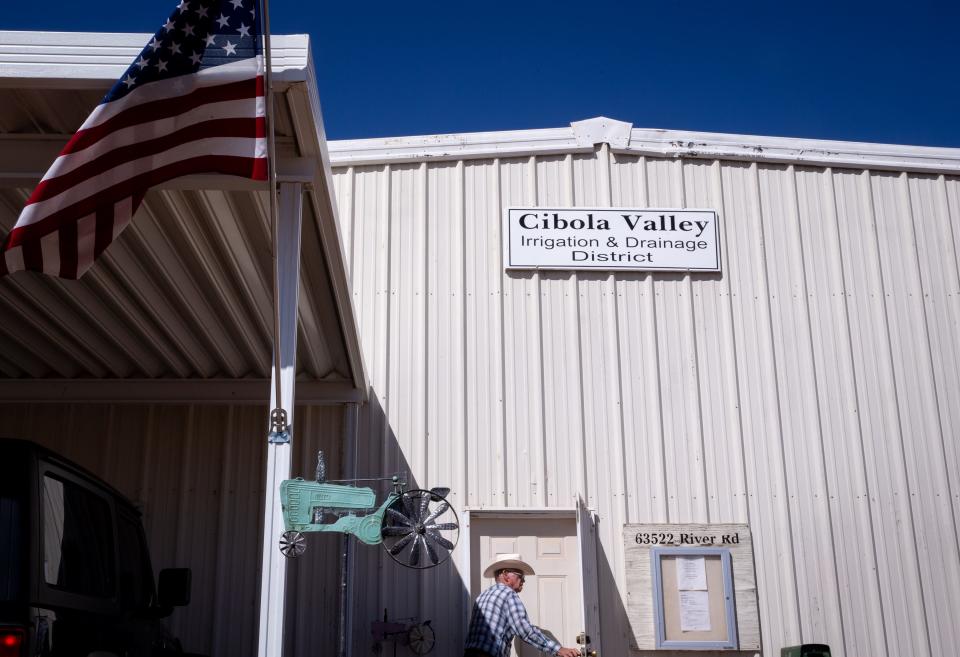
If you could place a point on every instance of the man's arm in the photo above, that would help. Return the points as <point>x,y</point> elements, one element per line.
<point>523,628</point>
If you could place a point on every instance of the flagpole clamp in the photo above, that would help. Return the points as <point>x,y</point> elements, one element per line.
<point>279,429</point>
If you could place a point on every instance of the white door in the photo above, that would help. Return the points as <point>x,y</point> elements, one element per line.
<point>554,596</point>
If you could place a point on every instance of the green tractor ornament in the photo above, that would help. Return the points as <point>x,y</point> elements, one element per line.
<point>417,528</point>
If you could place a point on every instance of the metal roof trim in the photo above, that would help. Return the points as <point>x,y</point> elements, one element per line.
<point>792,150</point>
<point>645,141</point>
<point>68,60</point>
<point>471,145</point>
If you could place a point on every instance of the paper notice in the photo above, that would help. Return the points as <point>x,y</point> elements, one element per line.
<point>691,574</point>
<point>694,611</point>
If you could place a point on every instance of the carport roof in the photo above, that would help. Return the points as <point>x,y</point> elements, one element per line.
<point>181,303</point>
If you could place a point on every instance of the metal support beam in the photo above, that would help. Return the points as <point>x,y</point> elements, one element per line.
<point>345,626</point>
<point>170,391</point>
<point>273,577</point>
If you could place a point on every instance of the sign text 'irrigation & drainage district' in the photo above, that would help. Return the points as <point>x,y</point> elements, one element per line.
<point>611,239</point>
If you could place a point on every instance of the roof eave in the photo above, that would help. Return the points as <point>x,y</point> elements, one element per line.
<point>584,136</point>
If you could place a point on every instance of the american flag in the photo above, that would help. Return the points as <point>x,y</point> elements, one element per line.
<point>191,102</point>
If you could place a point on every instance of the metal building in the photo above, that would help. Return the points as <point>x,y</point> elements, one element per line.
<point>809,391</point>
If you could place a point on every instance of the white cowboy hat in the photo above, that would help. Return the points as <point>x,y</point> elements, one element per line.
<point>511,561</point>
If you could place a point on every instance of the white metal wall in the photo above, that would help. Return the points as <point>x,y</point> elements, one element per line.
<point>197,473</point>
<point>812,389</point>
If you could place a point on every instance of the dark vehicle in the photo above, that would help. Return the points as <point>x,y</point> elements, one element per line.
<point>75,573</point>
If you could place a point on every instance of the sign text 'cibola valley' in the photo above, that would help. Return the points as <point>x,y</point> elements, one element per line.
<point>611,238</point>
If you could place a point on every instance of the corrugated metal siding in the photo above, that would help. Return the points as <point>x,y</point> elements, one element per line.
<point>208,460</point>
<point>811,389</point>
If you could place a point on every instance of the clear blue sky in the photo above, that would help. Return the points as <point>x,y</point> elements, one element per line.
<point>860,71</point>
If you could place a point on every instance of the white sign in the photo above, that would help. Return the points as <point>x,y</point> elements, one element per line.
<point>694,611</point>
<point>611,239</point>
<point>691,574</point>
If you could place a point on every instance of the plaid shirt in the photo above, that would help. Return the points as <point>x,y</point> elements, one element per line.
<point>498,616</point>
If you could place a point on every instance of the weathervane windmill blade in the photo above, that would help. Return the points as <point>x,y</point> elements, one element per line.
<point>396,531</point>
<point>415,551</point>
<point>431,550</point>
<point>440,540</point>
<point>438,511</point>
<point>191,102</point>
<point>396,516</point>
<point>402,543</point>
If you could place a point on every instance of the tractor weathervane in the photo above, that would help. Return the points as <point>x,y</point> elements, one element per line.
<point>418,528</point>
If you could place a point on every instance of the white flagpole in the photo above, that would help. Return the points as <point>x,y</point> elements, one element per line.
<point>286,241</point>
<point>278,416</point>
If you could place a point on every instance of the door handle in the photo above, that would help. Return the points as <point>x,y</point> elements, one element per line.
<point>583,640</point>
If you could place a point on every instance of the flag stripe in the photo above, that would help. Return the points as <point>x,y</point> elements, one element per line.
<point>50,252</point>
<point>86,237</point>
<point>248,167</point>
<point>236,109</point>
<point>13,260</point>
<point>122,214</point>
<point>33,255</point>
<point>246,69</point>
<point>245,127</point>
<point>161,109</point>
<point>104,229</point>
<point>68,250</point>
<point>217,146</point>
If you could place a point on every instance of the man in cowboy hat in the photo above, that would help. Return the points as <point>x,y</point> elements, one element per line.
<point>499,615</point>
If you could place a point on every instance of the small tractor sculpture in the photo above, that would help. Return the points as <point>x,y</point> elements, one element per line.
<point>417,528</point>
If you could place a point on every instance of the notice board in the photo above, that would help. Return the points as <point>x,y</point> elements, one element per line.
<point>640,541</point>
<point>693,604</point>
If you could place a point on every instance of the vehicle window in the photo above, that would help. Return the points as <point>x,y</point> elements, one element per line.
<point>12,501</point>
<point>77,539</point>
<point>136,576</point>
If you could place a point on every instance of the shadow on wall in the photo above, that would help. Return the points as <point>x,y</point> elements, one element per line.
<point>439,594</point>
<point>380,584</point>
<point>313,579</point>
<point>613,613</point>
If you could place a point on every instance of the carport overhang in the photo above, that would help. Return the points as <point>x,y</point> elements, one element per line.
<point>181,303</point>
<point>179,309</point>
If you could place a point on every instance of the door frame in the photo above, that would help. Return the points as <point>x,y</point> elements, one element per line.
<point>543,512</point>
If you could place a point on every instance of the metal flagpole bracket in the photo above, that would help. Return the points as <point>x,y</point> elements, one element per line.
<point>279,429</point>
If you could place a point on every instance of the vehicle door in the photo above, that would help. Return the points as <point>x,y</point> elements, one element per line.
<point>77,588</point>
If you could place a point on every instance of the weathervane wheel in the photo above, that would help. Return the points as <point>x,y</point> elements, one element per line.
<point>421,638</point>
<point>292,544</point>
<point>420,529</point>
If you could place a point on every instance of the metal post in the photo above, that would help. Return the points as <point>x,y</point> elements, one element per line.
<point>274,568</point>
<point>345,626</point>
